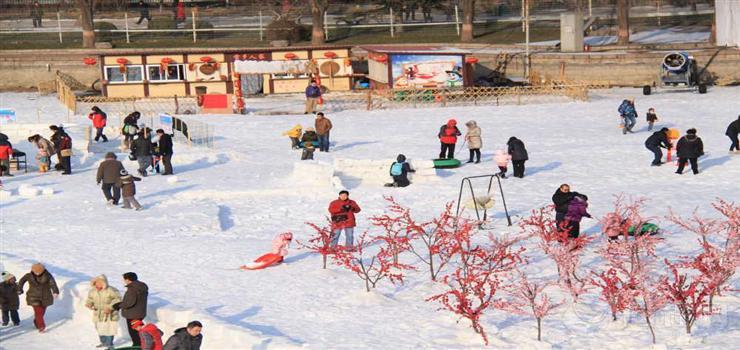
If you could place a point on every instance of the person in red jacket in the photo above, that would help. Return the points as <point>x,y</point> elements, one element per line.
<point>448,134</point>
<point>99,119</point>
<point>6,152</point>
<point>151,336</point>
<point>342,212</point>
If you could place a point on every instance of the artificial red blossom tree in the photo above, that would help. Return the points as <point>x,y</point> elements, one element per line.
<point>320,242</point>
<point>394,228</point>
<point>690,293</point>
<point>479,274</point>
<point>529,298</point>
<point>371,268</point>
<point>613,290</point>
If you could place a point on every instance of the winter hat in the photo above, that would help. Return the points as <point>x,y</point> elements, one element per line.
<point>471,123</point>
<point>320,114</point>
<point>110,155</point>
<point>7,276</point>
<point>691,131</point>
<point>344,191</point>
<point>136,323</point>
<point>451,122</point>
<point>664,130</point>
<point>401,158</point>
<point>123,172</point>
<point>38,268</point>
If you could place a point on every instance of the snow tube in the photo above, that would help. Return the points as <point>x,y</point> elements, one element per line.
<point>264,261</point>
<point>646,228</point>
<point>446,163</point>
<point>301,144</point>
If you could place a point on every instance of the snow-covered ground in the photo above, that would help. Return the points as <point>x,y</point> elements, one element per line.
<point>230,201</point>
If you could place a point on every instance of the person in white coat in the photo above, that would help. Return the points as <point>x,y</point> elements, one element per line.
<point>100,300</point>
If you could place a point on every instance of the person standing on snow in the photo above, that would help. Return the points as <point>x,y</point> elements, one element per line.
<point>45,145</point>
<point>186,338</point>
<point>399,171</point>
<point>323,127</point>
<point>134,303</point>
<point>42,290</point>
<point>130,128</point>
<point>313,93</point>
<point>9,300</point>
<point>474,140</point>
<point>657,140</point>
<point>502,161</point>
<point>732,130</point>
<point>150,337</point>
<point>342,212</point>
<point>108,171</point>
<point>309,141</point>
<point>100,300</point>
<point>447,135</point>
<point>688,149</point>
<point>141,149</point>
<point>629,114</point>
<point>126,182</point>
<point>651,118</point>
<point>164,143</point>
<point>99,119</point>
<point>65,151</point>
<point>561,199</point>
<point>518,155</point>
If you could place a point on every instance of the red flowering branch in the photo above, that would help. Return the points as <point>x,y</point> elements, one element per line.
<point>394,228</point>
<point>529,298</point>
<point>688,292</point>
<point>472,286</point>
<point>613,290</point>
<point>370,268</point>
<point>320,242</point>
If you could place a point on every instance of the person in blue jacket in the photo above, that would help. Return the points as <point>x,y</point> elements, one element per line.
<point>629,114</point>
<point>399,172</point>
<point>313,93</point>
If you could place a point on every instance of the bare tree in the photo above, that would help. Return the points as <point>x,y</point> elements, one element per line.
<point>623,19</point>
<point>468,7</point>
<point>86,20</point>
<point>318,8</point>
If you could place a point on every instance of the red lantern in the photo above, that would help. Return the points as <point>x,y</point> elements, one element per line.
<point>164,62</point>
<point>206,59</point>
<point>122,64</point>
<point>122,60</point>
<point>290,56</point>
<point>381,58</point>
<point>471,60</point>
<point>330,54</point>
<point>90,61</point>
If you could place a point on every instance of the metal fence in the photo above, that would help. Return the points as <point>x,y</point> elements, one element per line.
<point>235,22</point>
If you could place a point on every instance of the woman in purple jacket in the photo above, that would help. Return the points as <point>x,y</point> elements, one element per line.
<point>577,209</point>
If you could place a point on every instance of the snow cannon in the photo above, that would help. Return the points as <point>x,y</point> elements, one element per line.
<point>678,70</point>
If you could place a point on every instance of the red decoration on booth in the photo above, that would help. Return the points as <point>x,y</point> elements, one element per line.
<point>90,61</point>
<point>122,64</point>
<point>330,54</point>
<point>471,60</point>
<point>291,56</point>
<point>206,59</point>
<point>164,62</point>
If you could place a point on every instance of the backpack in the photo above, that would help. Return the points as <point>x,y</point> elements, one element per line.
<point>396,169</point>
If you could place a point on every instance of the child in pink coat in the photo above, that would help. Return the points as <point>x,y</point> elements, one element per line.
<point>502,160</point>
<point>279,250</point>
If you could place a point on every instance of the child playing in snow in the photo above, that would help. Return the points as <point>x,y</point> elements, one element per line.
<point>43,159</point>
<point>651,118</point>
<point>309,139</point>
<point>128,190</point>
<point>294,134</point>
<point>502,160</point>
<point>279,250</point>
<point>577,209</point>
<point>9,300</point>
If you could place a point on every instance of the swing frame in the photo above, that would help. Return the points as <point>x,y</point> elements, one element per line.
<point>475,203</point>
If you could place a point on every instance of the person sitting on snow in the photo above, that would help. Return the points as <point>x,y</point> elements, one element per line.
<point>615,226</point>
<point>309,142</point>
<point>399,172</point>
<point>294,134</point>
<point>279,251</point>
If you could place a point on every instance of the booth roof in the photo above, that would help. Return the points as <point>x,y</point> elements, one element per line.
<point>408,49</point>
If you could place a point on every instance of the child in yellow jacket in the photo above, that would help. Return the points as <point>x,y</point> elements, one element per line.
<point>294,134</point>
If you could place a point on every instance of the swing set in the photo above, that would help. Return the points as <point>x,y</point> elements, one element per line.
<point>483,202</point>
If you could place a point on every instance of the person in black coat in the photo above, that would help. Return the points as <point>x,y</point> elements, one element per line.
<point>518,155</point>
<point>141,149</point>
<point>689,148</point>
<point>657,140</point>
<point>9,300</point>
<point>134,303</point>
<point>165,150</point>
<point>130,128</point>
<point>186,338</point>
<point>561,199</point>
<point>56,139</point>
<point>732,130</point>
<point>401,180</point>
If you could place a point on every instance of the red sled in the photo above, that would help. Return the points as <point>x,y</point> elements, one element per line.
<point>264,261</point>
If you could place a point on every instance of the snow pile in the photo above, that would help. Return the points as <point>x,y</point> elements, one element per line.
<point>5,194</point>
<point>172,180</point>
<point>47,191</point>
<point>355,172</point>
<point>312,174</point>
<point>425,171</point>
<point>28,191</point>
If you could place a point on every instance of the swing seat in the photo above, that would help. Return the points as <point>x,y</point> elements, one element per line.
<point>483,202</point>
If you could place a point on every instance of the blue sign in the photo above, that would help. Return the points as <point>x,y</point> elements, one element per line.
<point>7,115</point>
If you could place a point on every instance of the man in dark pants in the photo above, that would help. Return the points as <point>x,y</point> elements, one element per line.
<point>732,130</point>
<point>561,199</point>
<point>133,305</point>
<point>108,173</point>
<point>37,13</point>
<point>165,150</point>
<point>144,9</point>
<point>657,140</point>
<point>689,148</point>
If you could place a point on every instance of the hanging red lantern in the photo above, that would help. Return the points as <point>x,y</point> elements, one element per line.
<point>206,59</point>
<point>90,61</point>
<point>330,54</point>
<point>122,64</point>
<point>381,58</point>
<point>471,60</point>
<point>290,56</point>
<point>164,62</point>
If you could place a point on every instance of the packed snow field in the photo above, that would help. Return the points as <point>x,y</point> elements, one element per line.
<point>229,202</point>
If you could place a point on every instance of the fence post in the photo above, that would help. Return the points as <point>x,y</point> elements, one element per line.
<point>391,22</point>
<point>444,97</point>
<point>369,99</point>
<point>457,21</point>
<point>59,27</point>
<point>326,26</point>
<point>125,15</point>
<point>260,25</point>
<point>195,35</point>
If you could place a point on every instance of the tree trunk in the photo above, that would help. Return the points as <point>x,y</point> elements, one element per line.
<point>713,33</point>
<point>318,7</point>
<point>650,325</point>
<point>367,285</point>
<point>468,7</point>
<point>86,20</point>
<point>324,255</point>
<point>431,265</point>
<point>539,329</point>
<point>623,19</point>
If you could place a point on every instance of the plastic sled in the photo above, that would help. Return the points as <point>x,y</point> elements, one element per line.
<point>264,261</point>
<point>446,163</point>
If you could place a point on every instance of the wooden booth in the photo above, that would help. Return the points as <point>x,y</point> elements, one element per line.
<point>418,67</point>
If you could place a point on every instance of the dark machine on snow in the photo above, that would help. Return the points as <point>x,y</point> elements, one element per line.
<point>678,70</point>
